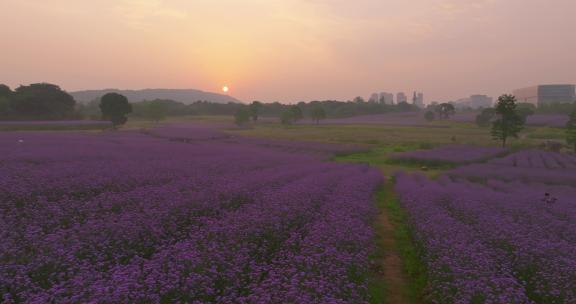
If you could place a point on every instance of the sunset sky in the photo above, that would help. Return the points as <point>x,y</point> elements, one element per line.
<point>290,50</point>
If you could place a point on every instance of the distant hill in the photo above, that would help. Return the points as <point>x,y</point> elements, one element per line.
<point>186,96</point>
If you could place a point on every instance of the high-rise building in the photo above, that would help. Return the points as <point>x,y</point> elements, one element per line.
<point>401,97</point>
<point>475,102</point>
<point>546,94</point>
<point>374,98</point>
<point>418,99</point>
<point>386,98</point>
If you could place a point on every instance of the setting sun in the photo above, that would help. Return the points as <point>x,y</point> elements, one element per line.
<point>225,89</point>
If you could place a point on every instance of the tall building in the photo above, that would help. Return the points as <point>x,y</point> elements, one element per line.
<point>401,97</point>
<point>475,102</point>
<point>386,98</point>
<point>545,94</point>
<point>418,99</point>
<point>374,98</point>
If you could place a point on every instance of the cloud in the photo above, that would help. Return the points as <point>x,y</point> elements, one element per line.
<point>144,14</point>
<point>454,7</point>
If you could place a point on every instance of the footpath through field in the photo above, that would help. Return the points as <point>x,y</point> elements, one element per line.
<point>393,275</point>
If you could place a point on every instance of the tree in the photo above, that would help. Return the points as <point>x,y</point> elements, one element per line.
<point>291,115</point>
<point>485,117</point>
<point>297,113</point>
<point>445,110</point>
<point>525,109</point>
<point>5,91</point>
<point>287,117</point>
<point>509,123</point>
<point>156,110</point>
<point>317,114</point>
<point>359,99</point>
<point>254,109</point>
<point>242,116</point>
<point>115,107</point>
<point>429,116</point>
<point>41,101</point>
<point>4,107</point>
<point>571,130</point>
<point>404,106</point>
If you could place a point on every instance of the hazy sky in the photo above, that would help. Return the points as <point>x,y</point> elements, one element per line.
<point>290,50</point>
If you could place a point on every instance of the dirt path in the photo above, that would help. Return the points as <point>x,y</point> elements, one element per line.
<point>396,281</point>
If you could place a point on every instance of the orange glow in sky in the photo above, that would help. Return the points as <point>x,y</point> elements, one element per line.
<point>280,50</point>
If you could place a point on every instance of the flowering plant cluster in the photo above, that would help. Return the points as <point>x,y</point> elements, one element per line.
<point>450,154</point>
<point>496,242</point>
<point>124,217</point>
<point>528,166</point>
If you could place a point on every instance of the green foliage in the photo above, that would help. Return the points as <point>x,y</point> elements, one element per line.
<point>115,107</point>
<point>429,116</point>
<point>317,114</point>
<point>5,91</point>
<point>242,116</point>
<point>509,123</point>
<point>254,110</point>
<point>557,107</point>
<point>155,110</point>
<point>445,110</point>
<point>40,101</point>
<point>484,119</point>
<point>525,109</point>
<point>4,107</point>
<point>359,99</point>
<point>291,115</point>
<point>571,130</point>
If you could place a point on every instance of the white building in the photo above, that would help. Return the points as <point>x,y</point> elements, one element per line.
<point>546,94</point>
<point>386,98</point>
<point>374,98</point>
<point>475,102</point>
<point>401,97</point>
<point>418,99</point>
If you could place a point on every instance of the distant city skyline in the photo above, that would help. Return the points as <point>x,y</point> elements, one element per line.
<point>290,51</point>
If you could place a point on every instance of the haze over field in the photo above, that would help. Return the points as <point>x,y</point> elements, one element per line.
<point>290,50</point>
<point>184,96</point>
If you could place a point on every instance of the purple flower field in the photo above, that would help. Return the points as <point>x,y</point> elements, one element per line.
<point>496,242</point>
<point>55,123</point>
<point>549,120</point>
<point>528,166</point>
<point>450,154</point>
<point>123,217</point>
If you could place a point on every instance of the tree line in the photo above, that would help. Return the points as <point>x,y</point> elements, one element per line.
<point>41,101</point>
<point>508,118</point>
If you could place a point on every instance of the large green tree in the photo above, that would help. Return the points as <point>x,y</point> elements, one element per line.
<point>429,116</point>
<point>571,130</point>
<point>317,114</point>
<point>254,109</point>
<point>5,91</point>
<point>155,110</point>
<point>242,116</point>
<point>509,122</point>
<point>5,94</point>
<point>485,117</point>
<point>41,101</point>
<point>115,107</point>
<point>291,115</point>
<point>445,110</point>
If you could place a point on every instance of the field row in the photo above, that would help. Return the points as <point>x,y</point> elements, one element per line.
<point>494,243</point>
<point>125,217</point>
